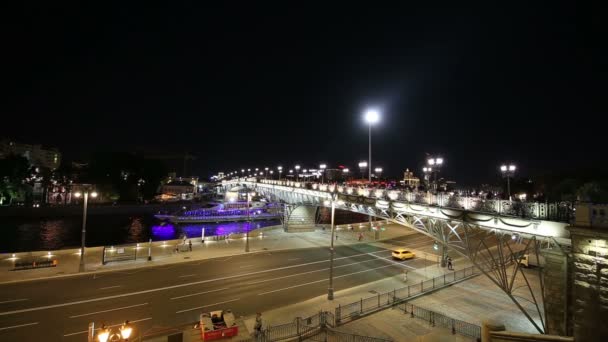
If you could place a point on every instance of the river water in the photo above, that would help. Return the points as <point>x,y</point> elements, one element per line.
<point>21,234</point>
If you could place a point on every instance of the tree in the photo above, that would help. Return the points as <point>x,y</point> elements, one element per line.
<point>14,171</point>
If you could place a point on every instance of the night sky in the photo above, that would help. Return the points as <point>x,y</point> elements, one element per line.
<point>252,86</point>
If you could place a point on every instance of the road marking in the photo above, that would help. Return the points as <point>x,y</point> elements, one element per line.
<point>19,326</point>
<point>109,287</point>
<point>204,306</point>
<point>245,266</point>
<point>124,307</point>
<point>13,300</point>
<point>6,313</point>
<point>107,326</point>
<point>199,293</point>
<point>292,259</point>
<point>187,275</point>
<point>322,280</point>
<point>320,270</point>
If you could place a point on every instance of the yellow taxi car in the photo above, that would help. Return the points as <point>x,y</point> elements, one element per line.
<point>403,254</point>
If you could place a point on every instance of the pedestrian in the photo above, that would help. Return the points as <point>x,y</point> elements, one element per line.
<point>336,237</point>
<point>176,248</point>
<point>360,236</point>
<point>450,266</point>
<point>190,245</point>
<point>257,327</point>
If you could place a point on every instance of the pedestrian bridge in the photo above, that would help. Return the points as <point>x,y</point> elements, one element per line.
<point>494,235</point>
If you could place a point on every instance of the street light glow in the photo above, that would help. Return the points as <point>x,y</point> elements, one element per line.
<point>280,168</point>
<point>297,167</point>
<point>378,169</point>
<point>345,170</point>
<point>362,164</point>
<point>77,194</point>
<point>372,116</point>
<point>511,167</point>
<point>322,166</point>
<point>431,161</point>
<point>94,194</point>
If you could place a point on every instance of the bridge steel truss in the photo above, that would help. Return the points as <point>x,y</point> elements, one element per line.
<point>494,244</point>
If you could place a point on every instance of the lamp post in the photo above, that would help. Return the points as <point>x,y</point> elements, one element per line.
<point>271,176</point>
<point>435,164</point>
<point>106,334</point>
<point>378,172</point>
<point>78,194</point>
<point>362,167</point>
<point>322,167</point>
<point>330,289</point>
<point>345,172</point>
<point>508,170</point>
<point>297,167</point>
<point>248,222</point>
<point>371,117</point>
<point>280,168</point>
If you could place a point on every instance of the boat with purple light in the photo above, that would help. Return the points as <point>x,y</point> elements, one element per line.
<point>227,212</point>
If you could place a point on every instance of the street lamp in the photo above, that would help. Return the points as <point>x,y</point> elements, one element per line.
<point>378,172</point>
<point>271,176</point>
<point>508,170</point>
<point>330,289</point>
<point>322,167</point>
<point>86,194</point>
<point>280,168</point>
<point>249,194</point>
<point>371,117</point>
<point>297,167</point>
<point>362,167</point>
<point>434,166</point>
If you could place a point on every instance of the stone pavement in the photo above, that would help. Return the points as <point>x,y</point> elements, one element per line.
<point>261,240</point>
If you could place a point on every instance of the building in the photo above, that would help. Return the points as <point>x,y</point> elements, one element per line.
<point>37,155</point>
<point>179,188</point>
<point>410,180</point>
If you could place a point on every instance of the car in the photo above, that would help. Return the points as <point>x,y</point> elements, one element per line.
<point>403,254</point>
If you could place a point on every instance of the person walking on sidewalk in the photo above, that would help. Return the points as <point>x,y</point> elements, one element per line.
<point>190,245</point>
<point>360,236</point>
<point>450,266</point>
<point>257,327</point>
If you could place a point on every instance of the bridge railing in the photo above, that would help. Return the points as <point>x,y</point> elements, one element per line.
<point>558,211</point>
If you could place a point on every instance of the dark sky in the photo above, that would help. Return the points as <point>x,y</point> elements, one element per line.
<point>250,86</point>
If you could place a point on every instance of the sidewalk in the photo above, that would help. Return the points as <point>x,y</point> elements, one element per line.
<point>263,240</point>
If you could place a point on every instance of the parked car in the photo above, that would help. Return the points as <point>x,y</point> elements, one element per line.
<point>403,254</point>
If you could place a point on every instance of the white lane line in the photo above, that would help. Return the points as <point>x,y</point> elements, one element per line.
<point>107,326</point>
<point>18,326</point>
<point>292,259</point>
<point>322,280</point>
<point>110,287</point>
<point>124,307</point>
<point>246,266</point>
<point>187,275</point>
<point>6,313</point>
<point>199,293</point>
<point>204,306</point>
<point>309,272</point>
<point>13,300</point>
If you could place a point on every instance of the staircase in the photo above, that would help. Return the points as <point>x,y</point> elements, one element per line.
<point>302,219</point>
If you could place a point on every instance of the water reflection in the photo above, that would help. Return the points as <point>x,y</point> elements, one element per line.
<point>167,231</point>
<point>53,234</point>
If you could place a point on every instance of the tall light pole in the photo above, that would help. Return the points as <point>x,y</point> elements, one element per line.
<point>297,167</point>
<point>378,172</point>
<point>84,193</point>
<point>330,289</point>
<point>436,164</point>
<point>280,168</point>
<point>508,171</point>
<point>427,175</point>
<point>371,117</point>
<point>248,223</point>
<point>345,172</point>
<point>322,167</point>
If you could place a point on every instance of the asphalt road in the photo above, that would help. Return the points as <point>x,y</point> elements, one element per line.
<point>60,309</point>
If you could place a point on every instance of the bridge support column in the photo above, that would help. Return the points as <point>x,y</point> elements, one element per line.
<point>556,296</point>
<point>444,256</point>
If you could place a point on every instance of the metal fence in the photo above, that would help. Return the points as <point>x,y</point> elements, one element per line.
<point>119,253</point>
<point>348,312</point>
<point>330,335</point>
<point>438,319</point>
